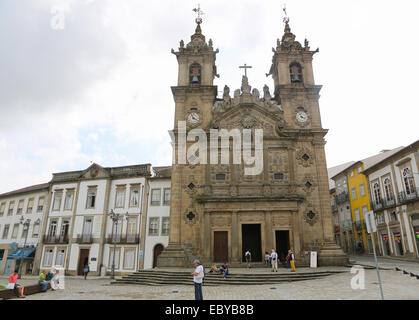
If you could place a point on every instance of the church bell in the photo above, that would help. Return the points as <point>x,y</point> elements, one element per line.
<point>195,79</point>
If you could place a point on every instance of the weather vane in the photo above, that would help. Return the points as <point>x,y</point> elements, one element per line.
<point>286,18</point>
<point>199,12</point>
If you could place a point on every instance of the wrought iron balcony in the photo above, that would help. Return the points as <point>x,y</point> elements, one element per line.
<point>122,239</point>
<point>84,238</point>
<point>413,195</point>
<point>382,204</point>
<point>55,239</point>
<point>341,198</point>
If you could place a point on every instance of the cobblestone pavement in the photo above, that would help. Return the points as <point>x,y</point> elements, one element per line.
<point>387,263</point>
<point>334,287</point>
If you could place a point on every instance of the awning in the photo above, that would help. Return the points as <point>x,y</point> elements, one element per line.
<point>18,254</point>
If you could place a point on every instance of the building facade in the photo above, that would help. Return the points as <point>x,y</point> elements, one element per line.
<point>393,185</point>
<point>78,230</point>
<point>218,211</point>
<point>158,215</point>
<point>23,204</point>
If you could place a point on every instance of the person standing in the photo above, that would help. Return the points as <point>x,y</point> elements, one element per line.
<point>291,260</point>
<point>198,276</point>
<point>13,285</point>
<point>267,258</point>
<point>274,259</point>
<point>86,271</point>
<point>248,257</point>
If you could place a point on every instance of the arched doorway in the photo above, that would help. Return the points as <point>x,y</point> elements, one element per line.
<point>158,248</point>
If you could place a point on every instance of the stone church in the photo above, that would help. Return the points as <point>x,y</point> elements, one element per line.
<point>218,212</point>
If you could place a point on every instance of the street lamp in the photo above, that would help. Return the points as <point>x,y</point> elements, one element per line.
<point>115,219</point>
<point>25,223</point>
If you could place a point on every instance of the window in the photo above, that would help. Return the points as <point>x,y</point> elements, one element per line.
<point>359,170</point>
<point>195,73</point>
<point>353,191</point>
<point>6,231</point>
<point>11,208</point>
<point>91,198</point>
<point>220,176</point>
<point>166,196</point>
<point>380,218</point>
<point>20,207</point>
<point>15,230</point>
<point>393,216</point>
<point>154,227</point>
<point>120,197</point>
<point>408,181</point>
<point>65,226</point>
<point>357,216</point>
<point>24,232</point>
<point>87,227</point>
<point>68,202</point>
<point>59,261</point>
<point>57,201</point>
<point>388,189</point>
<point>165,223</point>
<point>52,229</point>
<point>362,189</point>
<point>48,257</point>
<point>35,231</point>
<point>2,207</point>
<point>129,258</point>
<point>377,193</point>
<point>29,209</point>
<point>296,72</point>
<point>116,231</point>
<point>116,252</point>
<point>155,197</point>
<point>131,226</point>
<point>351,174</point>
<point>134,198</point>
<point>40,207</point>
<point>278,176</point>
<point>364,211</point>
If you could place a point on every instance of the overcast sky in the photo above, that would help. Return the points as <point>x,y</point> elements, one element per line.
<point>89,80</point>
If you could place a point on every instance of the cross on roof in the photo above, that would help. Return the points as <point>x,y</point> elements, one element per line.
<point>245,67</point>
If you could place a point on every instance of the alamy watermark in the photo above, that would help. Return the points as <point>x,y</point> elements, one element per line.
<point>245,143</point>
<point>358,280</point>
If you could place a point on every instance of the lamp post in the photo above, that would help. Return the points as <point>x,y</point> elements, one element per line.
<point>25,223</point>
<point>115,219</point>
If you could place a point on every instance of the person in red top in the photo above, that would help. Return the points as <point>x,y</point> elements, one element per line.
<point>12,279</point>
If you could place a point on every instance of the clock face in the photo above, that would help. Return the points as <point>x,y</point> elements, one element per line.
<point>193,118</point>
<point>301,116</point>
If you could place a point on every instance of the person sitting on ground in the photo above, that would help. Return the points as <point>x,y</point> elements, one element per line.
<point>13,285</point>
<point>42,282</point>
<point>224,270</point>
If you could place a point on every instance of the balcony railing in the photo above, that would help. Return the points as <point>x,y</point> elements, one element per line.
<point>55,239</point>
<point>124,238</point>
<point>411,196</point>
<point>341,198</point>
<point>382,204</point>
<point>84,238</point>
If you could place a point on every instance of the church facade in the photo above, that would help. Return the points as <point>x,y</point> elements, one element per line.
<point>217,210</point>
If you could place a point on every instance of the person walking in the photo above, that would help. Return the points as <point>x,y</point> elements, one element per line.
<point>86,271</point>
<point>198,276</point>
<point>248,257</point>
<point>267,258</point>
<point>274,259</point>
<point>13,285</point>
<point>291,260</point>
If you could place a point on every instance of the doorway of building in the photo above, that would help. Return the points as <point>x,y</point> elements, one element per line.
<point>398,244</point>
<point>221,246</point>
<point>83,260</point>
<point>282,243</point>
<point>251,240</point>
<point>158,249</point>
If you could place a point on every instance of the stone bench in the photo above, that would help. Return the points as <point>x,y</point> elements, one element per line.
<point>12,293</point>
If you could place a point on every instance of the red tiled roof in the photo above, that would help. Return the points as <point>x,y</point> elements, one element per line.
<point>26,189</point>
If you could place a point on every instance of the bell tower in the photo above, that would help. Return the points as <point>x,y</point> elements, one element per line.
<point>194,98</point>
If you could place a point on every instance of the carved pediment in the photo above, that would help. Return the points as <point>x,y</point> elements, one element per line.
<point>95,171</point>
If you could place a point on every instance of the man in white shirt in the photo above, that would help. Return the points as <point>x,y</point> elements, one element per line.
<point>274,260</point>
<point>198,276</point>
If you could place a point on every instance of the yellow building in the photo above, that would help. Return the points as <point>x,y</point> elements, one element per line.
<point>360,197</point>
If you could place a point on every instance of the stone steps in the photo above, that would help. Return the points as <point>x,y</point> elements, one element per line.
<point>163,277</point>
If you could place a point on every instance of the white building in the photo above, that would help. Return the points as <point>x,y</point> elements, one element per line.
<point>78,229</point>
<point>395,200</point>
<point>30,204</point>
<point>158,215</point>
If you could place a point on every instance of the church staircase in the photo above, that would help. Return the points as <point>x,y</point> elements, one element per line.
<point>166,277</point>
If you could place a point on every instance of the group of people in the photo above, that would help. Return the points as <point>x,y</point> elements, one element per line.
<point>272,260</point>
<point>43,280</point>
<point>222,270</point>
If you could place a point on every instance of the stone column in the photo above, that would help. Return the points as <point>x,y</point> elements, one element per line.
<point>207,235</point>
<point>268,231</point>
<point>235,237</point>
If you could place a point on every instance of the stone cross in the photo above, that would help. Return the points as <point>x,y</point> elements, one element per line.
<point>245,67</point>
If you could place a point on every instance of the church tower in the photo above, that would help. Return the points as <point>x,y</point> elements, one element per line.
<point>219,211</point>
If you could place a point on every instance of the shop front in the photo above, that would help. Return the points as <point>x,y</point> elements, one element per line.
<point>386,245</point>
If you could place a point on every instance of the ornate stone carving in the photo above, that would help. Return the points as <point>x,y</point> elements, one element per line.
<point>304,157</point>
<point>310,215</point>
<point>225,104</point>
